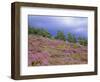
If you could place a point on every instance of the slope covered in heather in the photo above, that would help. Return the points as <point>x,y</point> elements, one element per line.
<point>44,51</point>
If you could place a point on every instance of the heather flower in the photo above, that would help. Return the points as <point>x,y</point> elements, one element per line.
<point>44,51</point>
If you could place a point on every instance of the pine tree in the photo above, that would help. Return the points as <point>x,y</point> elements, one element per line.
<point>60,35</point>
<point>71,38</point>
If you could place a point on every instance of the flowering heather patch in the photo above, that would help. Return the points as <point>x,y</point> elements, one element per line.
<point>43,51</point>
<point>38,58</point>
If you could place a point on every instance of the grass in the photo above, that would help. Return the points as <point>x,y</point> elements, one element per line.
<point>76,56</point>
<point>34,63</point>
<point>75,46</point>
<point>61,47</point>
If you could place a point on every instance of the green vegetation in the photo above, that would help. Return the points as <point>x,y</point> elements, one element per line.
<point>61,46</point>
<point>71,38</point>
<point>38,31</point>
<point>35,63</point>
<point>76,56</point>
<point>60,35</point>
<point>75,46</point>
<point>82,41</point>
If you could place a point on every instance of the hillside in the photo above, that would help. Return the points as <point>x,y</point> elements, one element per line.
<point>45,51</point>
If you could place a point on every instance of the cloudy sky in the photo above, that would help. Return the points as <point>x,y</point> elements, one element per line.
<point>75,25</point>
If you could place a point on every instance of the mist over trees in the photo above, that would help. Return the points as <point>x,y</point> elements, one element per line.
<point>60,35</point>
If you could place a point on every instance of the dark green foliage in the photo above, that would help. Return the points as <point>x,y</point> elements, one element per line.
<point>60,35</point>
<point>82,41</point>
<point>44,33</point>
<point>30,30</point>
<point>71,38</point>
<point>38,31</point>
<point>33,30</point>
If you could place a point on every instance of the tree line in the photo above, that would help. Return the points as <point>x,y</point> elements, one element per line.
<point>60,35</point>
